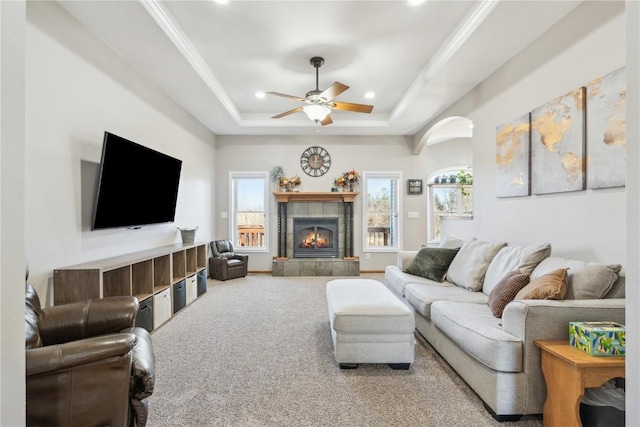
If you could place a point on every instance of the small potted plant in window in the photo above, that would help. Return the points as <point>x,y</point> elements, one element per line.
<point>452,179</point>
<point>464,177</point>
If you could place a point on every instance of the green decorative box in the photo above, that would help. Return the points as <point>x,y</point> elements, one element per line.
<point>598,338</point>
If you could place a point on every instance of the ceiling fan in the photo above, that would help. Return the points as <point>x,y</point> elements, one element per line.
<point>320,103</point>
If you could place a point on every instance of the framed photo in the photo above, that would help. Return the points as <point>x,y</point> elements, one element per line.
<point>414,186</point>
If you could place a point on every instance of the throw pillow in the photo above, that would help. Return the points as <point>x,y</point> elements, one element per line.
<point>450,242</point>
<point>505,290</point>
<point>550,286</point>
<point>514,258</point>
<point>432,263</point>
<point>588,280</point>
<point>468,268</point>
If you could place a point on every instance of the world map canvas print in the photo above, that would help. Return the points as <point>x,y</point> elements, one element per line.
<point>558,144</point>
<point>606,131</point>
<point>513,142</point>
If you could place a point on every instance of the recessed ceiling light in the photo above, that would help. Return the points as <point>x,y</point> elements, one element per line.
<point>415,2</point>
<point>370,95</point>
<point>260,94</point>
<point>221,1</point>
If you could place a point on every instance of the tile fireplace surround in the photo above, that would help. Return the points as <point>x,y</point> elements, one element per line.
<point>315,205</point>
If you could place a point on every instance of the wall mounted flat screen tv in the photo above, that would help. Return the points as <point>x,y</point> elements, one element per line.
<point>137,185</point>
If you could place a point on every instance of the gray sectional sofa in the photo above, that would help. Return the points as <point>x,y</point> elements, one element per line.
<point>496,356</point>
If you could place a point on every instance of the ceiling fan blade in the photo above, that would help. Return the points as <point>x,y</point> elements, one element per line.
<point>296,98</point>
<point>326,121</point>
<point>347,106</point>
<point>286,113</point>
<point>334,90</point>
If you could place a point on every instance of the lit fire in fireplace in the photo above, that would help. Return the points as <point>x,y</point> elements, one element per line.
<point>314,240</point>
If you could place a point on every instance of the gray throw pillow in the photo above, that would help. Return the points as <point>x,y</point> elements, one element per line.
<point>432,263</point>
<point>587,280</point>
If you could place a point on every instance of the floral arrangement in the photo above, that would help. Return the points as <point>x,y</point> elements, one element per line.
<point>352,176</point>
<point>290,183</point>
<point>277,173</point>
<point>347,179</point>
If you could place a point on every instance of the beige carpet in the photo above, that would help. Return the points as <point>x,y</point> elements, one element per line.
<point>257,352</point>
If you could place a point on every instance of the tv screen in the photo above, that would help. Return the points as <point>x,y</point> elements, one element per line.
<point>137,185</point>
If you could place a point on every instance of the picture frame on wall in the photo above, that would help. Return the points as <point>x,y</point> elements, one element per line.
<point>414,186</point>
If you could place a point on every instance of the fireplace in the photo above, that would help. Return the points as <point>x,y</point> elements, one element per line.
<point>315,237</point>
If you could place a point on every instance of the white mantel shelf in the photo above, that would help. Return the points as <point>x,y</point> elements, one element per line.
<point>315,196</point>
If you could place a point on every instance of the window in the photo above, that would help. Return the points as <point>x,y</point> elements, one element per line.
<point>450,195</point>
<point>381,206</point>
<point>249,199</point>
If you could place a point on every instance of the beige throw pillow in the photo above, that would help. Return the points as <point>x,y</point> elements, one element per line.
<point>550,286</point>
<point>450,242</point>
<point>514,258</point>
<point>468,268</point>
<point>505,291</point>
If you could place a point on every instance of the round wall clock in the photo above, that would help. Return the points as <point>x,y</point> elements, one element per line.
<point>315,161</point>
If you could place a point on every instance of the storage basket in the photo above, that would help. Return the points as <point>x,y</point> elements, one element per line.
<point>188,235</point>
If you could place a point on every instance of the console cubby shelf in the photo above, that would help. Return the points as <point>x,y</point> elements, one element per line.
<point>142,274</point>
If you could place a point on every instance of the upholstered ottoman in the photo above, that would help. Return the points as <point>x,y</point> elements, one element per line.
<point>369,324</point>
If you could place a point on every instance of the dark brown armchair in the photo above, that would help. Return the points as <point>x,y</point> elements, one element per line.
<point>225,263</point>
<point>86,364</point>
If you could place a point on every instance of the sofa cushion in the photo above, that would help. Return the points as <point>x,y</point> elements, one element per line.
<point>397,280</point>
<point>471,262</point>
<point>505,291</point>
<point>477,332</point>
<point>587,280</point>
<point>552,285</point>
<point>420,297</point>
<point>432,263</point>
<point>514,258</point>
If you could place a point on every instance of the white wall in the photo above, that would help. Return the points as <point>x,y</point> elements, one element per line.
<point>77,88</point>
<point>12,224</point>
<point>633,214</point>
<point>588,224</point>
<point>455,152</point>
<point>235,153</point>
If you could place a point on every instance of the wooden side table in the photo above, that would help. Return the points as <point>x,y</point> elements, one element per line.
<point>567,372</point>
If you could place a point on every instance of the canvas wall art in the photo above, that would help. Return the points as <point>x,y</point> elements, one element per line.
<point>513,147</point>
<point>558,145</point>
<point>606,131</point>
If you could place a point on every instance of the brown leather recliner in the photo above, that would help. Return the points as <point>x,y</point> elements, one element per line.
<point>86,363</point>
<point>225,263</point>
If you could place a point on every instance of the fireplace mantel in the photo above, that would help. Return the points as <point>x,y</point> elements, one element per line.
<point>315,196</point>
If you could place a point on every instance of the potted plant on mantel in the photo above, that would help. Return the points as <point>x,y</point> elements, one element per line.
<point>277,173</point>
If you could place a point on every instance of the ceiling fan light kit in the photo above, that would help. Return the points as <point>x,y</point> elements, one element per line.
<point>321,102</point>
<point>316,112</point>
